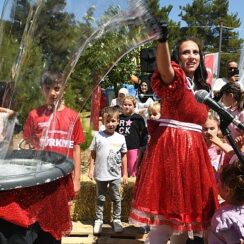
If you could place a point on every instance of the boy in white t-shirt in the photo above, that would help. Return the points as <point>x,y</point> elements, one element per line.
<point>108,156</point>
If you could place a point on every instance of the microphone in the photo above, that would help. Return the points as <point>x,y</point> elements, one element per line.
<point>145,95</point>
<point>203,96</point>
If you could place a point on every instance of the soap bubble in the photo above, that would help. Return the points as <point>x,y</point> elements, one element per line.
<point>38,36</point>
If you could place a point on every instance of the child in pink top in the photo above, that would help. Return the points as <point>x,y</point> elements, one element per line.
<point>233,98</point>
<point>133,127</point>
<point>227,225</point>
<point>216,145</point>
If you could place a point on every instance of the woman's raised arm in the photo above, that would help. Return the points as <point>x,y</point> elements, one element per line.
<point>163,61</point>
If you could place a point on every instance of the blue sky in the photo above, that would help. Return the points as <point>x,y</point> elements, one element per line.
<point>235,6</point>
<point>78,7</point>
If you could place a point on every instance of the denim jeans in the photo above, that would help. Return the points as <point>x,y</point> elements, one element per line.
<point>101,189</point>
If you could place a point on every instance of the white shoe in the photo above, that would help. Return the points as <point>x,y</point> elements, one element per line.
<point>97,229</point>
<point>118,227</point>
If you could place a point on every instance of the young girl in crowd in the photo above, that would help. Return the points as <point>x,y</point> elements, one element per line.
<point>217,147</point>
<point>154,113</point>
<point>119,100</point>
<point>233,99</point>
<point>144,98</point>
<point>175,190</point>
<point>232,156</point>
<point>227,225</point>
<point>133,127</point>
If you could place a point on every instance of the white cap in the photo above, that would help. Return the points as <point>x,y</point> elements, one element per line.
<point>123,91</point>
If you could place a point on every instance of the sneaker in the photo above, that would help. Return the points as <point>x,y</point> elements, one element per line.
<point>118,227</point>
<point>97,229</point>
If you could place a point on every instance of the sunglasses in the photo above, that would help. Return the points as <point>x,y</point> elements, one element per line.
<point>232,68</point>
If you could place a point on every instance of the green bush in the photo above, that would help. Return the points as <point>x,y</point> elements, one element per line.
<point>88,136</point>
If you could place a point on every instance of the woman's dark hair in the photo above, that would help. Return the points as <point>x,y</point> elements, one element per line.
<point>237,92</point>
<point>232,176</point>
<point>145,79</point>
<point>201,74</point>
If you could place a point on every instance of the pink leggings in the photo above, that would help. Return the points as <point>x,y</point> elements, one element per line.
<point>131,162</point>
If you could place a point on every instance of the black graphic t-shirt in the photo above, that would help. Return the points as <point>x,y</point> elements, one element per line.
<point>134,129</point>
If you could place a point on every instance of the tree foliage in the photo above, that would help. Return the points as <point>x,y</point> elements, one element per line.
<point>204,19</point>
<point>59,38</point>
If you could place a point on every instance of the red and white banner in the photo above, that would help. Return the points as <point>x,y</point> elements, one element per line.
<point>95,108</point>
<point>241,65</point>
<point>211,63</point>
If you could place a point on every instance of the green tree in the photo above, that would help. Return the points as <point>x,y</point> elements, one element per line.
<point>204,19</point>
<point>57,34</point>
<point>130,63</point>
<point>102,53</point>
<point>20,62</point>
<point>19,14</point>
<point>9,50</point>
<point>27,90</point>
<point>11,28</point>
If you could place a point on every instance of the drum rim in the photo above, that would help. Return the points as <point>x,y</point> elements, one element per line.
<point>62,166</point>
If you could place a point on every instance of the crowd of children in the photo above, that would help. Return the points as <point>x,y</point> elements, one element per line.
<point>129,144</point>
<point>213,189</point>
<point>133,136</point>
<point>189,183</point>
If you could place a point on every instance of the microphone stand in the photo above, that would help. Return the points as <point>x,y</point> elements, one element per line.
<point>226,132</point>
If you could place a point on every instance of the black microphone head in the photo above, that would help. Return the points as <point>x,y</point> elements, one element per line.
<point>201,95</point>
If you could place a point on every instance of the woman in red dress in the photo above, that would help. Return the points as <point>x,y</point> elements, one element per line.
<point>175,190</point>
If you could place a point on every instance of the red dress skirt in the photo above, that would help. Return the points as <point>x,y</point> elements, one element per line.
<point>176,184</point>
<point>46,204</point>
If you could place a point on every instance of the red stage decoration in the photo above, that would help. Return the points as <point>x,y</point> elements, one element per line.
<point>95,107</point>
<point>211,62</point>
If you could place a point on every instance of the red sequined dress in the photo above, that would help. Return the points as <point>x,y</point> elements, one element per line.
<point>175,184</point>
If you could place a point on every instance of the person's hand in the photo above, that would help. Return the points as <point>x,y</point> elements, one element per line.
<point>138,162</point>
<point>161,27</point>
<point>91,174</point>
<point>125,179</point>
<point>240,141</point>
<point>163,32</point>
<point>11,113</point>
<point>134,79</point>
<point>212,137</point>
<point>76,186</point>
<point>142,111</point>
<point>234,78</point>
<point>25,144</point>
